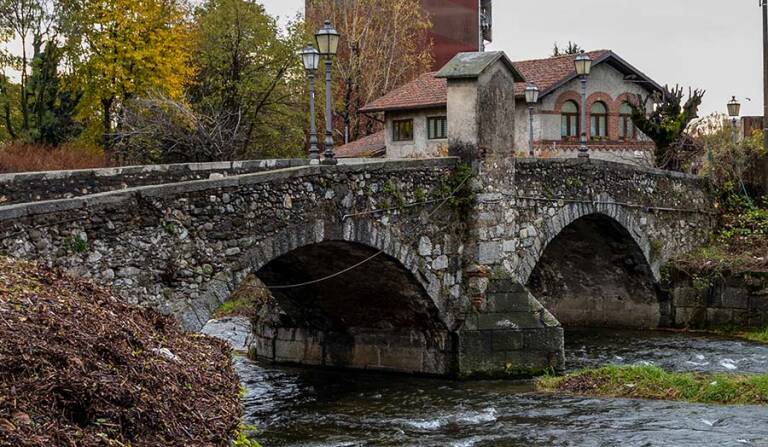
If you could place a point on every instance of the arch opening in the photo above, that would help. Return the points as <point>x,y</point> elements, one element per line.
<point>376,316</point>
<point>594,274</point>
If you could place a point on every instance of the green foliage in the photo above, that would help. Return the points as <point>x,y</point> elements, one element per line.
<point>666,124</point>
<point>420,194</point>
<point>730,163</point>
<point>52,107</point>
<point>650,382</point>
<point>457,188</point>
<point>656,249</point>
<point>394,196</point>
<point>242,438</point>
<point>247,69</point>
<point>76,244</point>
<point>572,49</point>
<point>122,49</point>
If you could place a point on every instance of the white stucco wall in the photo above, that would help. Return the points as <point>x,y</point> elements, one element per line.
<point>421,145</point>
<point>603,79</point>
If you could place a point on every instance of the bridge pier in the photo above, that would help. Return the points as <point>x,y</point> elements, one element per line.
<point>506,331</point>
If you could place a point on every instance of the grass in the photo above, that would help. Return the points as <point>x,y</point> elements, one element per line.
<point>650,382</point>
<point>759,335</point>
<point>245,301</point>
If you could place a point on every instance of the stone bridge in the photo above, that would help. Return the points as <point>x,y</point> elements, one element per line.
<point>427,266</point>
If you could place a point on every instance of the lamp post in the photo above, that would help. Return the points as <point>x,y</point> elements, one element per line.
<point>531,97</point>
<point>583,66</point>
<point>328,43</point>
<point>311,59</point>
<point>764,5</point>
<point>734,108</point>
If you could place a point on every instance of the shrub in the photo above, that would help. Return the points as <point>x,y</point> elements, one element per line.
<point>17,157</point>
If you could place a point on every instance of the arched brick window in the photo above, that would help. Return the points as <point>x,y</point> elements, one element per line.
<point>599,120</point>
<point>627,130</point>
<point>569,127</point>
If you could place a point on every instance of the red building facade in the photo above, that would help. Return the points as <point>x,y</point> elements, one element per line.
<point>457,26</point>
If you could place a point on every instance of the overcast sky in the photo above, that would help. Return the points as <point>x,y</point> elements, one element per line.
<point>709,44</point>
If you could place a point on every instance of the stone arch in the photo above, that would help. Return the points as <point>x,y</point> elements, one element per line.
<point>571,212</point>
<point>592,266</point>
<point>196,311</point>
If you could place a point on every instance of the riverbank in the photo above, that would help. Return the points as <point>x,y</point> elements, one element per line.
<point>80,367</point>
<point>651,382</point>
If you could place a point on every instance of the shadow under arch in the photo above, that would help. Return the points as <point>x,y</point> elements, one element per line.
<point>384,314</point>
<point>595,273</point>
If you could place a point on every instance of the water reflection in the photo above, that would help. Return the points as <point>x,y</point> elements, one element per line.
<point>303,407</point>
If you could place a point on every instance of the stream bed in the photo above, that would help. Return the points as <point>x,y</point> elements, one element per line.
<point>323,408</point>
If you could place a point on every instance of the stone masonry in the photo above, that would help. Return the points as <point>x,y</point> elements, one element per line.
<point>369,265</point>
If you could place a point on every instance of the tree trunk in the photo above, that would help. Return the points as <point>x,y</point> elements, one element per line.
<point>106,104</point>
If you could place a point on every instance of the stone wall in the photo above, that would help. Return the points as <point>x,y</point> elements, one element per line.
<point>50,185</point>
<point>182,248</point>
<point>718,301</point>
<point>447,295</point>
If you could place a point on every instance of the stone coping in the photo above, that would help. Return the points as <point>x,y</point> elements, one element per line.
<point>132,170</point>
<point>19,210</point>
<point>614,165</point>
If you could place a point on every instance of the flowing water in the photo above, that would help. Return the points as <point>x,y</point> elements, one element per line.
<point>314,408</point>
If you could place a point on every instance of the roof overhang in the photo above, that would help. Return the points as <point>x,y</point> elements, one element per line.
<point>631,74</point>
<point>399,108</point>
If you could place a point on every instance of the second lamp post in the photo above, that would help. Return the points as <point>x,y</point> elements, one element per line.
<point>311,58</point>
<point>531,97</point>
<point>734,109</point>
<point>583,67</point>
<point>328,44</point>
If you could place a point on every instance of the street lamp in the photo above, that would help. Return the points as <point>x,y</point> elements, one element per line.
<point>583,66</point>
<point>734,108</point>
<point>311,59</point>
<point>531,97</point>
<point>328,43</point>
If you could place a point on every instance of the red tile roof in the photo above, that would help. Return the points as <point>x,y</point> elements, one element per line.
<point>424,92</point>
<point>548,74</point>
<point>372,146</point>
<point>551,72</point>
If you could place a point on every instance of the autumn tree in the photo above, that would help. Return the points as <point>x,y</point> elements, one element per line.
<point>667,123</point>
<point>384,45</point>
<point>126,48</point>
<point>248,74</point>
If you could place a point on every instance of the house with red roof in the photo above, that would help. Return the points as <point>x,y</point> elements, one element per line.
<point>416,123</point>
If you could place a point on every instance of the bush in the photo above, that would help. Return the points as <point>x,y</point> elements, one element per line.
<point>18,157</point>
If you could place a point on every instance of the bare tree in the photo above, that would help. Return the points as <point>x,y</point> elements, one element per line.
<point>163,130</point>
<point>384,45</point>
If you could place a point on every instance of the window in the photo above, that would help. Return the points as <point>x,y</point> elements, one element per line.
<point>599,126</point>
<point>570,120</point>
<point>402,130</point>
<point>627,129</point>
<point>437,128</point>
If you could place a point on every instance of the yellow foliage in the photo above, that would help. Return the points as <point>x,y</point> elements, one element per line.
<point>130,48</point>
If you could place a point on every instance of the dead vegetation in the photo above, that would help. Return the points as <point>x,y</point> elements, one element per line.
<point>81,368</point>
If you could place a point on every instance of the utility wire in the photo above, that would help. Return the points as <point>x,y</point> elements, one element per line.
<point>375,255</point>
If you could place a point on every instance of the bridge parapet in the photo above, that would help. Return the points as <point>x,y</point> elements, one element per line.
<point>52,185</point>
<point>444,292</point>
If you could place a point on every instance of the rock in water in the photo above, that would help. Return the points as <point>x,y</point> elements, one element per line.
<point>236,331</point>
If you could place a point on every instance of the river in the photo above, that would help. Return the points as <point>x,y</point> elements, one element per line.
<point>321,408</point>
